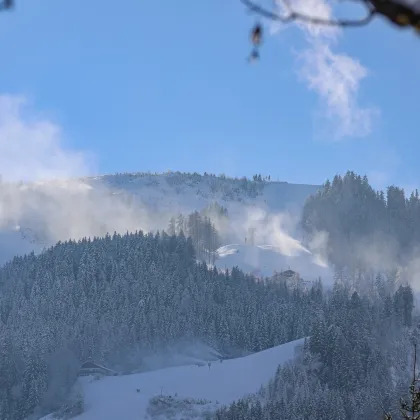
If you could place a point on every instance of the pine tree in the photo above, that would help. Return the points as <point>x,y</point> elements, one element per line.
<point>172,226</point>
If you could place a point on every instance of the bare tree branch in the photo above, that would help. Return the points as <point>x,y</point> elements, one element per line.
<point>293,15</point>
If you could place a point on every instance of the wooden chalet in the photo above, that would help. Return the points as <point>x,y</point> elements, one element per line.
<point>289,274</point>
<point>92,368</point>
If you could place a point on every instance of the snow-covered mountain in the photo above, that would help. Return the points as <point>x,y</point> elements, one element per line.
<point>33,216</point>
<point>181,392</point>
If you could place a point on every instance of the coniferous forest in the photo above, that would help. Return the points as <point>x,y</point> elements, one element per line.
<point>119,298</point>
<point>355,216</point>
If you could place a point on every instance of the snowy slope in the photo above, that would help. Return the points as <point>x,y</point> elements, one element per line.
<point>40,214</point>
<point>187,192</point>
<point>113,398</point>
<point>265,260</point>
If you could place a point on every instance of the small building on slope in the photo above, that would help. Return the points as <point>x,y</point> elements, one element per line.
<point>92,368</point>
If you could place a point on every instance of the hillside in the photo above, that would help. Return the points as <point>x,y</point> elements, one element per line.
<point>194,389</point>
<point>38,215</point>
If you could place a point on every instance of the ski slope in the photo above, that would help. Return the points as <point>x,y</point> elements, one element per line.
<point>187,391</point>
<point>266,260</point>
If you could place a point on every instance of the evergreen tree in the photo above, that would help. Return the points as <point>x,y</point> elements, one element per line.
<point>172,226</point>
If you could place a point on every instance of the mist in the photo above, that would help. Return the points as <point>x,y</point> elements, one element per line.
<point>365,257</point>
<point>45,191</point>
<point>275,241</point>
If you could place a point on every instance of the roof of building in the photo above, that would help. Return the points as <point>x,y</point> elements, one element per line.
<point>91,365</point>
<point>288,273</point>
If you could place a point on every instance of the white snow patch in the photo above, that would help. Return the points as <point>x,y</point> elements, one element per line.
<point>226,250</point>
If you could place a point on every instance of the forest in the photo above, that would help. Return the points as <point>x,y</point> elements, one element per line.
<point>355,365</point>
<point>355,216</point>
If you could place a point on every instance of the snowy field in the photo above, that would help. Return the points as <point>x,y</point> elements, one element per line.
<point>187,392</point>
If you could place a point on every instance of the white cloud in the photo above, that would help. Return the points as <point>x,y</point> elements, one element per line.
<point>334,76</point>
<point>31,146</point>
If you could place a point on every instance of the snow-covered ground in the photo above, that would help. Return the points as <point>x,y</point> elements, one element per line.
<point>40,214</point>
<point>185,392</point>
<point>266,260</point>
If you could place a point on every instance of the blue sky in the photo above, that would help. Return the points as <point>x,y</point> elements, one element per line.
<point>165,85</point>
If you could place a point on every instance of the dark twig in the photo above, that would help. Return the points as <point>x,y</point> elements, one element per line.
<point>293,16</point>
